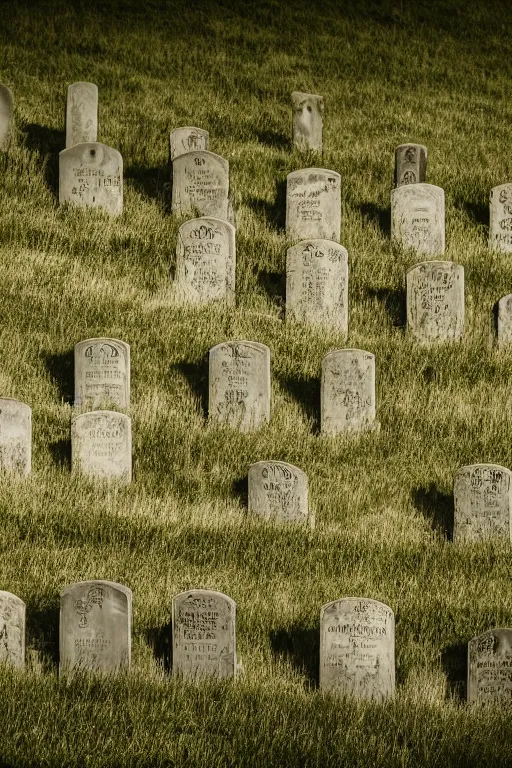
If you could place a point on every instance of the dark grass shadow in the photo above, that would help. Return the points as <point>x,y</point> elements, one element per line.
<point>42,628</point>
<point>438,507</point>
<point>240,489</point>
<point>394,301</point>
<point>60,451</point>
<point>159,640</point>
<point>154,183</point>
<point>274,139</point>
<point>196,375</point>
<point>495,313</point>
<point>477,212</point>
<point>61,367</point>
<point>274,213</point>
<point>301,647</point>
<point>429,374</point>
<point>48,142</point>
<point>306,391</point>
<point>454,662</point>
<point>377,215</point>
<point>274,285</point>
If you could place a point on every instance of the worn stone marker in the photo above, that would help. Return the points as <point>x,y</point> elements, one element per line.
<point>203,634</point>
<point>15,436</point>
<point>410,164</point>
<point>317,284</point>
<point>102,373</point>
<point>205,261</point>
<point>490,668</point>
<point>417,218</point>
<point>12,630</point>
<point>313,204</point>
<point>308,109</point>
<point>435,301</point>
<point>500,218</point>
<point>239,384</point>
<point>187,139</point>
<point>347,392</point>
<point>279,492</point>
<point>6,116</point>
<point>95,627</point>
<point>91,176</point>
<point>200,185</point>
<point>81,114</point>
<point>505,320</point>
<point>482,496</point>
<point>101,445</point>
<point>357,648</point>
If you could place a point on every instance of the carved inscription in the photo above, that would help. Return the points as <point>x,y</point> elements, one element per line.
<point>410,164</point>
<point>482,497</point>
<point>308,109</point>
<point>101,445</point>
<point>12,630</point>
<point>15,436</point>
<point>435,301</point>
<point>313,204</point>
<point>417,218</point>
<point>200,185</point>
<point>81,114</point>
<point>205,261</point>
<point>278,491</point>
<point>490,668</point>
<point>347,393</point>
<point>91,176</point>
<point>187,139</point>
<point>6,116</point>
<point>500,218</point>
<point>102,373</point>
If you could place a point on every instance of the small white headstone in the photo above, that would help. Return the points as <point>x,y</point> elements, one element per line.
<point>417,218</point>
<point>347,392</point>
<point>500,218</point>
<point>91,176</point>
<point>490,668</point>
<point>200,185</point>
<point>15,436</point>
<point>187,139</point>
<point>6,116</point>
<point>12,630</point>
<point>205,261</point>
<point>313,205</point>
<point>435,301</point>
<point>278,492</point>
<point>308,109</point>
<point>410,164</point>
<point>101,445</point>
<point>102,373</point>
<point>505,320</point>
<point>81,114</point>
<point>483,499</point>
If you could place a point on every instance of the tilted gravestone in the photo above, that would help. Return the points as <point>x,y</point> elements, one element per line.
<point>308,109</point>
<point>12,630</point>
<point>91,176</point>
<point>95,627</point>
<point>317,284</point>
<point>205,261</point>
<point>490,668</point>
<point>347,391</point>
<point>482,502</point>
<point>357,648</point>
<point>410,164</point>
<point>15,436</point>
<point>102,373</point>
<point>101,445</point>
<point>313,205</point>
<point>279,492</point>
<point>187,139</point>
<point>6,116</point>
<point>239,384</point>
<point>500,218</point>
<point>505,320</point>
<point>417,218</point>
<point>200,185</point>
<point>435,301</point>
<point>81,114</point>
<point>203,634</point>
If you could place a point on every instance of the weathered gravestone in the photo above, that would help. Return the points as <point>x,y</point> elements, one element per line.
<point>187,139</point>
<point>12,630</point>
<point>317,284</point>
<point>15,436</point>
<point>435,301</point>
<point>102,373</point>
<point>313,205</point>
<point>279,492</point>
<point>95,627</point>
<point>91,176</point>
<point>101,445</point>
<point>482,502</point>
<point>81,114</point>
<point>357,648</point>
<point>490,668</point>
<point>505,320</point>
<point>200,185</point>
<point>308,109</point>
<point>205,261</point>
<point>203,634</point>
<point>500,218</point>
<point>417,218</point>
<point>239,384</point>
<point>6,116</point>
<point>347,391</point>
<point>410,164</point>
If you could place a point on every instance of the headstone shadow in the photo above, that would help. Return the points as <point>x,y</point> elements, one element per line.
<point>154,183</point>
<point>274,213</point>
<point>61,367</point>
<point>273,139</point>
<point>301,647</point>
<point>454,662</point>
<point>274,285</point>
<point>240,489</point>
<point>437,506</point>
<point>377,215</point>
<point>394,301</point>
<point>477,212</point>
<point>60,451</point>
<point>306,391</point>
<point>42,628</point>
<point>159,639</point>
<point>495,314</point>
<point>196,375</point>
<point>48,142</point>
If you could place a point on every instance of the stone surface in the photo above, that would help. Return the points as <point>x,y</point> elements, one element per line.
<point>15,436</point>
<point>91,176</point>
<point>200,185</point>
<point>308,109</point>
<point>205,261</point>
<point>313,205</point>
<point>417,218</point>
<point>490,668</point>
<point>357,648</point>
<point>95,627</point>
<point>279,492</point>
<point>317,284</point>
<point>102,373</point>
<point>347,392</point>
<point>81,114</point>
<point>12,630</point>
<point>101,445</point>
<point>505,320</point>
<point>239,384</point>
<point>410,164</point>
<point>500,218</point>
<point>435,301</point>
<point>187,139</point>
<point>6,116</point>
<point>482,502</point>
<point>203,634</point>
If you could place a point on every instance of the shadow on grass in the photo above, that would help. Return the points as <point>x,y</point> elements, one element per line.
<point>273,139</point>
<point>274,213</point>
<point>454,661</point>
<point>43,632</point>
<point>301,647</point>
<point>61,367</point>
<point>159,639</point>
<point>377,215</point>
<point>48,142</point>
<point>477,212</point>
<point>60,451</point>
<point>495,314</point>
<point>393,300</point>
<point>196,375</point>
<point>306,391</point>
<point>240,489</point>
<point>437,506</point>
<point>154,183</point>
<point>274,284</point>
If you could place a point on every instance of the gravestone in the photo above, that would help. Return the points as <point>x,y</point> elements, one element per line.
<point>317,284</point>
<point>81,114</point>
<point>101,445</point>
<point>91,176</point>
<point>410,164</point>
<point>490,668</point>
<point>313,205</point>
<point>482,496</point>
<point>357,648</point>
<point>505,320</point>
<point>435,301</point>
<point>308,109</point>
<point>187,139</point>
<point>347,392</point>
<point>239,384</point>
<point>6,116</point>
<point>205,261</point>
<point>417,218</point>
<point>203,634</point>
<point>102,373</point>
<point>200,185</point>
<point>15,436</point>
<point>279,492</point>
<point>12,630</point>
<point>500,218</point>
<point>95,627</point>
